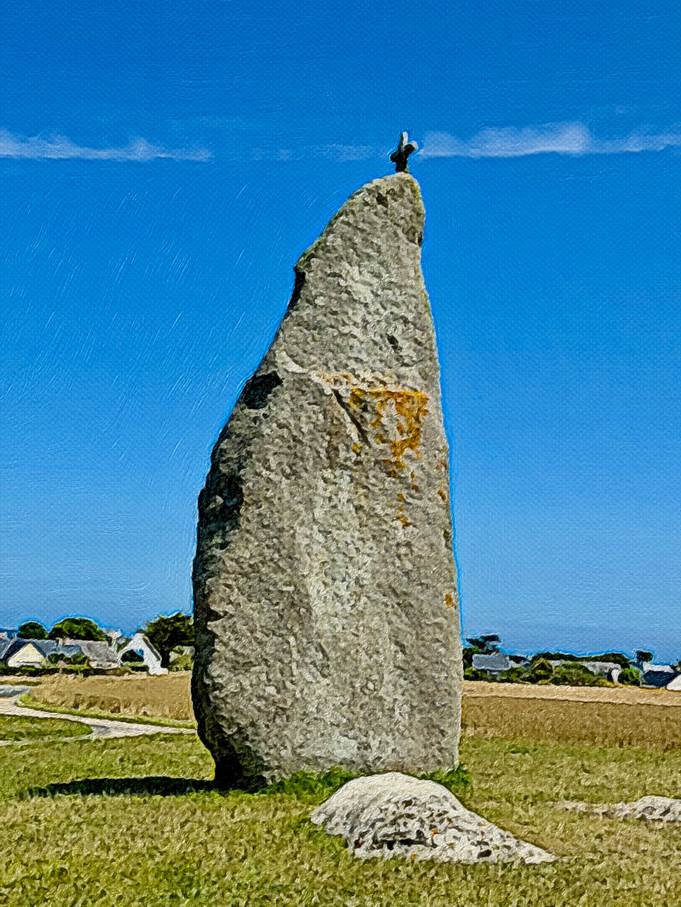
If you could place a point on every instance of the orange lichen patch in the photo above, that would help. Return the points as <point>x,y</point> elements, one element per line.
<point>401,515</point>
<point>442,492</point>
<point>403,518</point>
<point>356,447</point>
<point>397,417</point>
<point>449,600</point>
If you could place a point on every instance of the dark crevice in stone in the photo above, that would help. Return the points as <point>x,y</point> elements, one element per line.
<point>392,843</point>
<point>232,494</point>
<point>299,281</point>
<point>220,504</point>
<point>258,389</point>
<point>393,341</point>
<point>353,418</point>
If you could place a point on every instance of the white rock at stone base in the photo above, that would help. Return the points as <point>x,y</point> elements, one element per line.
<point>395,815</point>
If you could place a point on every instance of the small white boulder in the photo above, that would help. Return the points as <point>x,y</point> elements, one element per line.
<point>395,815</point>
<point>651,808</point>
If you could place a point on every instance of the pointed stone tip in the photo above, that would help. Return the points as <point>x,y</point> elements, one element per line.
<point>392,203</point>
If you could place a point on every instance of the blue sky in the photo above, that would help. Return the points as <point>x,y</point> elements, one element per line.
<point>163,166</point>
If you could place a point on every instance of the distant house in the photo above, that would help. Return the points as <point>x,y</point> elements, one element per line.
<point>22,653</point>
<point>144,648</point>
<point>4,648</point>
<point>675,684</point>
<point>99,654</point>
<point>657,676</point>
<point>610,670</point>
<point>493,664</point>
<point>8,632</point>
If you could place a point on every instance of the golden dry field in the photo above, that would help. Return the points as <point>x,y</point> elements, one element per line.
<point>600,716</point>
<point>618,695</point>
<point>572,721</point>
<point>167,696</point>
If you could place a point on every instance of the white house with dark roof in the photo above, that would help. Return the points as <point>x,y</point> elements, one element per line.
<point>99,654</point>
<point>657,676</point>
<point>610,670</point>
<point>22,653</point>
<point>495,663</point>
<point>144,648</point>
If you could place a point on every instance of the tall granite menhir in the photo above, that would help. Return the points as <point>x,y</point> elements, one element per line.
<point>327,628</point>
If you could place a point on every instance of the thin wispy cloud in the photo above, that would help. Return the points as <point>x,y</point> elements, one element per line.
<point>551,138</point>
<point>59,147</point>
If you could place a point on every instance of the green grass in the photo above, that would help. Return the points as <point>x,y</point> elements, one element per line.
<point>14,729</point>
<point>316,787</point>
<point>136,822</point>
<point>12,680</point>
<point>32,703</point>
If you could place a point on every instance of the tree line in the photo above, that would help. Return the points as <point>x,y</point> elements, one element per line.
<point>539,667</point>
<point>165,633</point>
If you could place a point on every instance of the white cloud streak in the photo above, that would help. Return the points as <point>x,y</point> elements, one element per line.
<point>58,147</point>
<point>569,138</point>
<point>551,138</point>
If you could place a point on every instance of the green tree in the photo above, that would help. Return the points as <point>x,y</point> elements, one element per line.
<point>540,670</point>
<point>554,656</point>
<point>643,655</point>
<point>484,645</point>
<point>630,676</point>
<point>516,674</point>
<point>183,662</point>
<point>617,658</point>
<point>575,674</point>
<point>31,629</point>
<point>77,628</point>
<point>164,633</point>
<point>473,674</point>
<point>78,658</point>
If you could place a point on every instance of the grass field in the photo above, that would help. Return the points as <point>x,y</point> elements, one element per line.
<point>136,821</point>
<point>14,729</point>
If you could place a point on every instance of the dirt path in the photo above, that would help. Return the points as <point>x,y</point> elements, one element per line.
<point>99,727</point>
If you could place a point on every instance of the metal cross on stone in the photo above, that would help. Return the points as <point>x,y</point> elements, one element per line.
<point>399,157</point>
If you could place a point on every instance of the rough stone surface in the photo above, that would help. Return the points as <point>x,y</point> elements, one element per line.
<point>653,809</point>
<point>393,815</point>
<point>325,588</point>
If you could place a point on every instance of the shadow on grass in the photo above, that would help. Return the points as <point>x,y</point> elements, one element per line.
<point>157,785</point>
<point>306,786</point>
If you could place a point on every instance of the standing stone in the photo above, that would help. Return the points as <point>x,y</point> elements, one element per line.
<point>327,628</point>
